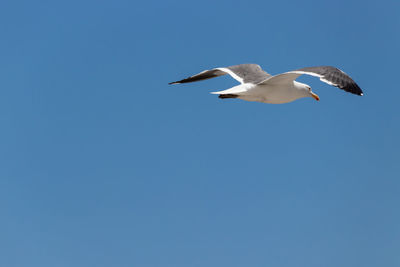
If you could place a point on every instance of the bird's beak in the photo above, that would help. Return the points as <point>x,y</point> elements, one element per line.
<point>315,96</point>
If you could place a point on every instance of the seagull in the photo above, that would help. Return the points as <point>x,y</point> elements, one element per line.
<point>257,85</point>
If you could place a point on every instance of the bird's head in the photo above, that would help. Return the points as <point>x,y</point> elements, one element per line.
<point>305,90</point>
<point>311,93</point>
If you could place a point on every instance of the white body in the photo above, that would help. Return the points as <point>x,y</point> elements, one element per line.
<point>272,93</point>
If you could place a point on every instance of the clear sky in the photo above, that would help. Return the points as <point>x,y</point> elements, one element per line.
<point>102,163</point>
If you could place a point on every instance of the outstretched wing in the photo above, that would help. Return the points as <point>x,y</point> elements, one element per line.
<point>330,75</point>
<point>204,75</point>
<point>243,73</point>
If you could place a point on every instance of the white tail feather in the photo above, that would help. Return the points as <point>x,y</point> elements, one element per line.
<point>235,90</point>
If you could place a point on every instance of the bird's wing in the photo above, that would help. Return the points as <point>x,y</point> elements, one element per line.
<point>243,73</point>
<point>204,75</point>
<point>330,75</point>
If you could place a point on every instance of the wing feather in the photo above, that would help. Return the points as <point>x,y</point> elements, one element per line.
<point>327,74</point>
<point>204,75</point>
<point>243,73</point>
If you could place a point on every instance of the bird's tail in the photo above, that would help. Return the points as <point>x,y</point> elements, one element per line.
<point>233,92</point>
<point>223,96</point>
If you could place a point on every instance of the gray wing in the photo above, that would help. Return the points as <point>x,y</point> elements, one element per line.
<point>244,73</point>
<point>204,75</point>
<point>330,75</point>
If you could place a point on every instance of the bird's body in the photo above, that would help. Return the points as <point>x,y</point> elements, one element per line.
<point>257,85</point>
<point>266,93</point>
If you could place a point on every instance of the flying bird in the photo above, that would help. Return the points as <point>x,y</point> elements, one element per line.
<point>257,85</point>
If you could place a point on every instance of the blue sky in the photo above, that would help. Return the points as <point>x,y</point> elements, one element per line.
<point>104,164</point>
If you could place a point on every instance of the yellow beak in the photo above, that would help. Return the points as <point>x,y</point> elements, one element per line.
<point>315,96</point>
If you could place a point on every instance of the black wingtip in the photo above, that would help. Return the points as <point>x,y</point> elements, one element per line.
<point>353,88</point>
<point>173,82</point>
<point>358,90</point>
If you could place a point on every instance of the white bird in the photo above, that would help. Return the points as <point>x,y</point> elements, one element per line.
<point>257,85</point>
